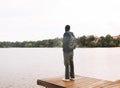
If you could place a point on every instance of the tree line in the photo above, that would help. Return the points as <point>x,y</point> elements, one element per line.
<point>83,41</point>
<point>92,41</point>
<point>41,43</point>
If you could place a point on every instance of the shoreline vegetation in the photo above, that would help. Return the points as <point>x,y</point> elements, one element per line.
<point>83,41</point>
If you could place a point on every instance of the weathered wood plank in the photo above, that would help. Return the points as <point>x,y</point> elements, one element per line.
<point>79,82</point>
<point>48,85</point>
<point>115,84</point>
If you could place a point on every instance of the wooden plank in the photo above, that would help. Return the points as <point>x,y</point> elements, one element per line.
<point>103,85</point>
<point>79,82</point>
<point>115,84</point>
<point>48,84</point>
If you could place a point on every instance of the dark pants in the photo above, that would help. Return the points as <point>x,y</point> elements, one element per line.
<point>69,65</point>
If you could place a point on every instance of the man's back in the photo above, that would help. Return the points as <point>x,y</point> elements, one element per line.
<point>66,40</point>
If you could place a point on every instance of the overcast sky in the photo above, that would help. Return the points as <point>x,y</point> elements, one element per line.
<point>24,20</point>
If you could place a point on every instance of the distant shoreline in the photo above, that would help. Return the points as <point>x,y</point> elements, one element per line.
<point>59,47</point>
<point>83,41</point>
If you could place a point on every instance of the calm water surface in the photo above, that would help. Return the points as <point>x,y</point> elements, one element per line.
<point>21,67</point>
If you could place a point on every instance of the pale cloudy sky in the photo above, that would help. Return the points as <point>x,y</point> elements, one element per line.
<point>22,20</point>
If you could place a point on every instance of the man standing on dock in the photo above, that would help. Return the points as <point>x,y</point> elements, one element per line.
<point>69,44</point>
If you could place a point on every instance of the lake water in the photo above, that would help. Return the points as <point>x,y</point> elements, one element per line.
<point>21,67</point>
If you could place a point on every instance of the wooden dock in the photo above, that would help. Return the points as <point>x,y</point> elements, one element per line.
<point>79,82</point>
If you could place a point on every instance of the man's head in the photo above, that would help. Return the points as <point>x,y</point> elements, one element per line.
<point>67,27</point>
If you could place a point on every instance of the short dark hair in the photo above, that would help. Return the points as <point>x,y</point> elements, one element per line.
<point>67,27</point>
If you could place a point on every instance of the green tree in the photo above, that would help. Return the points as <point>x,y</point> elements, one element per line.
<point>81,41</point>
<point>91,41</point>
